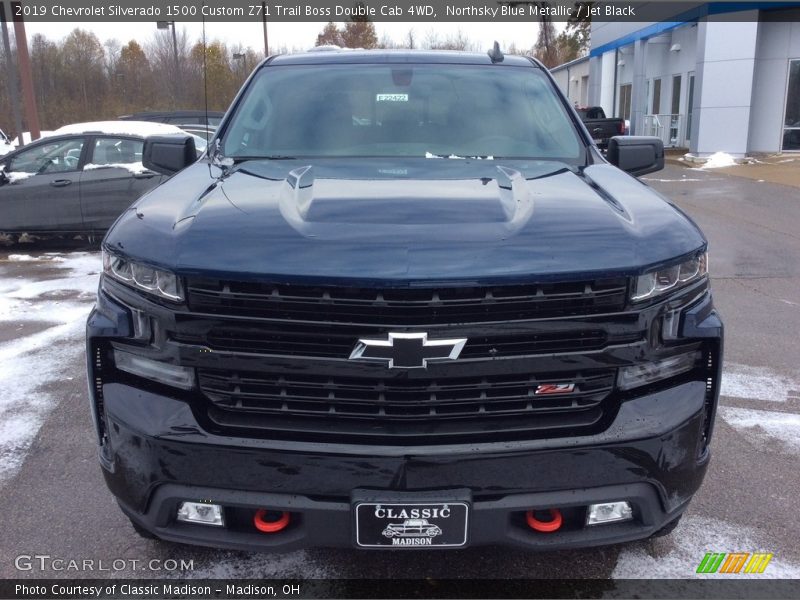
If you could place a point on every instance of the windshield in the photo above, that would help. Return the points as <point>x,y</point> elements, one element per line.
<point>398,110</point>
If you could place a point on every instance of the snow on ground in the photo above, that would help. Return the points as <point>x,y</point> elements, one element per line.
<point>21,258</point>
<point>761,425</point>
<point>54,311</point>
<point>756,383</point>
<point>678,555</point>
<point>719,159</point>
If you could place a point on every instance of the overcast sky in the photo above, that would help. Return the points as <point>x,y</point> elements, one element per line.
<point>302,35</point>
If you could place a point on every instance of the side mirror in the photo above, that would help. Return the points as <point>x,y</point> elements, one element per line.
<point>3,175</point>
<point>168,154</point>
<point>637,155</point>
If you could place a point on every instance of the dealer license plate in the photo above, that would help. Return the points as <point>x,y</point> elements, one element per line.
<point>411,525</point>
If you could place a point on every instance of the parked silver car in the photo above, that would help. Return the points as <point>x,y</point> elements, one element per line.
<point>79,179</point>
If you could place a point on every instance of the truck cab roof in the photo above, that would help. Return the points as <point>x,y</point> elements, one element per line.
<point>345,56</point>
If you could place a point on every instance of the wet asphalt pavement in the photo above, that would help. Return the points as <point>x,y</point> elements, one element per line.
<point>54,501</point>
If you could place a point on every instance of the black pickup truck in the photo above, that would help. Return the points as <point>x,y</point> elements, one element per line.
<point>403,302</point>
<point>600,128</point>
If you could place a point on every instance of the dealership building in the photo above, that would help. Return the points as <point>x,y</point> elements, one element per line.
<point>718,78</point>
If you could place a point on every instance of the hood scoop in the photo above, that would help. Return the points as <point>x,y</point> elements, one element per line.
<point>503,200</point>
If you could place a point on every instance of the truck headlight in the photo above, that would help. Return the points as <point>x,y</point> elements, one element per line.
<point>646,373</point>
<point>668,279</point>
<point>176,376</point>
<point>143,277</point>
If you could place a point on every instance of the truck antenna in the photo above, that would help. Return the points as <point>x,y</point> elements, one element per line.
<point>205,79</point>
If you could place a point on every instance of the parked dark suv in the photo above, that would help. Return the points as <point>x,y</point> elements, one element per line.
<point>403,287</point>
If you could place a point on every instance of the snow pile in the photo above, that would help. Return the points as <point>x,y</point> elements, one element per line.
<point>48,319</point>
<point>678,555</point>
<point>718,160</point>
<point>21,258</point>
<point>5,148</point>
<point>14,177</point>
<point>135,167</point>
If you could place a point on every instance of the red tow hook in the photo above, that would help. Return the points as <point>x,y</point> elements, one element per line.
<point>554,524</point>
<point>270,526</point>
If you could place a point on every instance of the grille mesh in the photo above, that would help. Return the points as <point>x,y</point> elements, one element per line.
<point>406,306</point>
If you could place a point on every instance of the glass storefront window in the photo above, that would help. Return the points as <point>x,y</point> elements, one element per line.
<point>791,125</point>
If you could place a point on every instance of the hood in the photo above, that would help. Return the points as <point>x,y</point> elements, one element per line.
<point>404,221</point>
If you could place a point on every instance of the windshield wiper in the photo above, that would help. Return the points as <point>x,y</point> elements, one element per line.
<point>226,162</point>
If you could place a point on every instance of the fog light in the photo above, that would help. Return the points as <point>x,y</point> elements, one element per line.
<point>199,512</point>
<point>609,512</point>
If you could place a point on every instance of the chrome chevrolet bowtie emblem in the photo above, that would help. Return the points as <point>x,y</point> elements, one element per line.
<point>408,350</point>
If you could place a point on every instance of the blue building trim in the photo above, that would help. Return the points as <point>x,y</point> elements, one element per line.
<point>689,16</point>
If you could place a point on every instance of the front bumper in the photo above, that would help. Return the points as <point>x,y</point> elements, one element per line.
<point>650,456</point>
<point>156,453</point>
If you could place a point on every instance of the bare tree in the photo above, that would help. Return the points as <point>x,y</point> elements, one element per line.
<point>48,73</point>
<point>458,41</point>
<point>170,71</point>
<point>134,80</point>
<point>112,49</point>
<point>545,49</point>
<point>84,67</point>
<point>410,39</point>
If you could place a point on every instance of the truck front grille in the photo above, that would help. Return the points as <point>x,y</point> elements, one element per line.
<point>406,306</point>
<point>337,341</point>
<point>404,408</point>
<point>279,363</point>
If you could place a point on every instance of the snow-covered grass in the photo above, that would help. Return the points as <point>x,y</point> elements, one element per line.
<point>678,555</point>
<point>54,311</point>
<point>718,160</point>
<point>762,425</point>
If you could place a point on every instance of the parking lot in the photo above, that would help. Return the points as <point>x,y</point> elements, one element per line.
<point>55,502</point>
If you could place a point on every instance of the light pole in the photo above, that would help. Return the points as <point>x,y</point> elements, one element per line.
<point>11,76</point>
<point>264,25</point>
<point>241,57</point>
<point>171,25</point>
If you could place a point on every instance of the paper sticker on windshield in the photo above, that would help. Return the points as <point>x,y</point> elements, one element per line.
<point>391,97</point>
